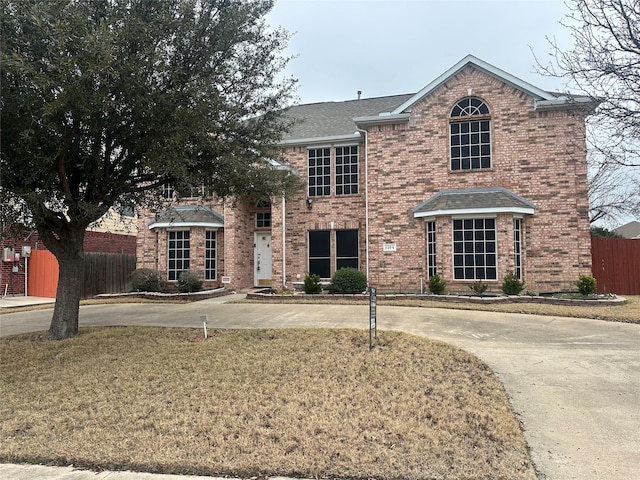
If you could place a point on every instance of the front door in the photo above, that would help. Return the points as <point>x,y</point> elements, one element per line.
<point>262,260</point>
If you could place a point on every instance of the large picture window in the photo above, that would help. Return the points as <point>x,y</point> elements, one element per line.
<point>346,170</point>
<point>179,247</point>
<point>346,249</point>
<point>320,253</point>
<point>474,249</point>
<point>210,249</point>
<point>319,172</point>
<point>470,135</point>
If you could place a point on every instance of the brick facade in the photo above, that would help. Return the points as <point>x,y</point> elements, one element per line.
<point>538,154</point>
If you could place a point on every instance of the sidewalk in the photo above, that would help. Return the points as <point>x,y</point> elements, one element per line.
<point>22,301</point>
<point>30,472</point>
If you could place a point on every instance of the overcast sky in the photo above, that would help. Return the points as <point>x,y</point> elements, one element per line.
<point>392,47</point>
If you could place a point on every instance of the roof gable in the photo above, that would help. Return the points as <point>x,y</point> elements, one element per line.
<point>483,66</point>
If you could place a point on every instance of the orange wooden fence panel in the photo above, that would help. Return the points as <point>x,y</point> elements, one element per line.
<point>616,265</point>
<point>43,274</point>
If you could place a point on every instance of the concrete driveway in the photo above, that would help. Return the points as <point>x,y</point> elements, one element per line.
<point>574,383</point>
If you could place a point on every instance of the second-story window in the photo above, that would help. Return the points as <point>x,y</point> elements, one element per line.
<point>470,135</point>
<point>346,170</point>
<point>319,171</point>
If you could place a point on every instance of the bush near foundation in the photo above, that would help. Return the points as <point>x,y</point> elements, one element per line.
<point>586,284</point>
<point>436,284</point>
<point>146,280</point>
<point>189,282</point>
<point>512,285</point>
<point>312,284</point>
<point>349,280</point>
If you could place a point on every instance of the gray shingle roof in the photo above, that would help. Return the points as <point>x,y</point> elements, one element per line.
<point>187,216</point>
<point>480,200</point>
<point>629,230</point>
<point>328,119</point>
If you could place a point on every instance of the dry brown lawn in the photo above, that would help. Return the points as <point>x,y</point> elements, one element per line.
<point>303,403</point>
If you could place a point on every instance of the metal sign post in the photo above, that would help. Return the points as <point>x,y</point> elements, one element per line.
<point>373,330</point>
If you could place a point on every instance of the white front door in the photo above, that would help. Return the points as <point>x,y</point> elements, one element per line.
<point>262,260</point>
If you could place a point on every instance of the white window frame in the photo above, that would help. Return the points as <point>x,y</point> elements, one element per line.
<point>348,162</point>
<point>325,184</point>
<point>430,227</point>
<point>474,218</point>
<point>470,116</point>
<point>517,247</point>
<point>173,274</point>
<point>210,270</point>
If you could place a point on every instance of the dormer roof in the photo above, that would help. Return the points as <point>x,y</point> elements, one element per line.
<point>187,216</point>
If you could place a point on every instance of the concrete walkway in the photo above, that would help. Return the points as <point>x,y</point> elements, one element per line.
<point>574,383</point>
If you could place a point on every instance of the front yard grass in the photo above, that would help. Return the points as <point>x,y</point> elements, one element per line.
<point>302,403</point>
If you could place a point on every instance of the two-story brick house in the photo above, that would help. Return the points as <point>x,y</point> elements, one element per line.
<point>476,175</point>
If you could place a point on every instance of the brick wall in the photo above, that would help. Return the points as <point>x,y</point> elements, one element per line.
<point>537,155</point>
<point>93,242</point>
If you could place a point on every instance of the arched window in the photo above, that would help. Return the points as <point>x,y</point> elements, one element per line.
<point>470,127</point>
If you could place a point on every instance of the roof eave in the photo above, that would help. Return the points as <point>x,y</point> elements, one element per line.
<point>383,119</point>
<point>474,211</point>
<point>586,103</point>
<point>185,224</point>
<point>320,140</point>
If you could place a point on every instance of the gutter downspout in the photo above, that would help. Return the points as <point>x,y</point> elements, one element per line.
<point>366,198</point>
<point>284,234</point>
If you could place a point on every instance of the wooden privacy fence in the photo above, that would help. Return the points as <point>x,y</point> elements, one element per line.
<point>616,265</point>
<point>103,273</point>
<point>107,272</point>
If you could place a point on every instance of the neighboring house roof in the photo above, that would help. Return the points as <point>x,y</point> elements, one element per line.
<point>187,216</point>
<point>473,201</point>
<point>629,230</point>
<point>339,121</point>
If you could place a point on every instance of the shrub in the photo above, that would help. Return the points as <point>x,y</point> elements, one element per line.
<point>189,282</point>
<point>478,287</point>
<point>312,284</point>
<point>586,284</point>
<point>512,285</point>
<point>436,284</point>
<point>349,280</point>
<point>146,280</point>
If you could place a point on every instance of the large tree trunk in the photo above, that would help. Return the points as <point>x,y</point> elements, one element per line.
<point>69,250</point>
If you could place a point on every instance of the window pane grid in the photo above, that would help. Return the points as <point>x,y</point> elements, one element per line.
<point>263,219</point>
<point>346,170</point>
<point>431,249</point>
<point>517,247</point>
<point>470,145</point>
<point>474,249</point>
<point>178,253</point>
<point>470,138</point>
<point>210,248</point>
<point>346,249</point>
<point>319,172</point>
<point>320,253</point>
